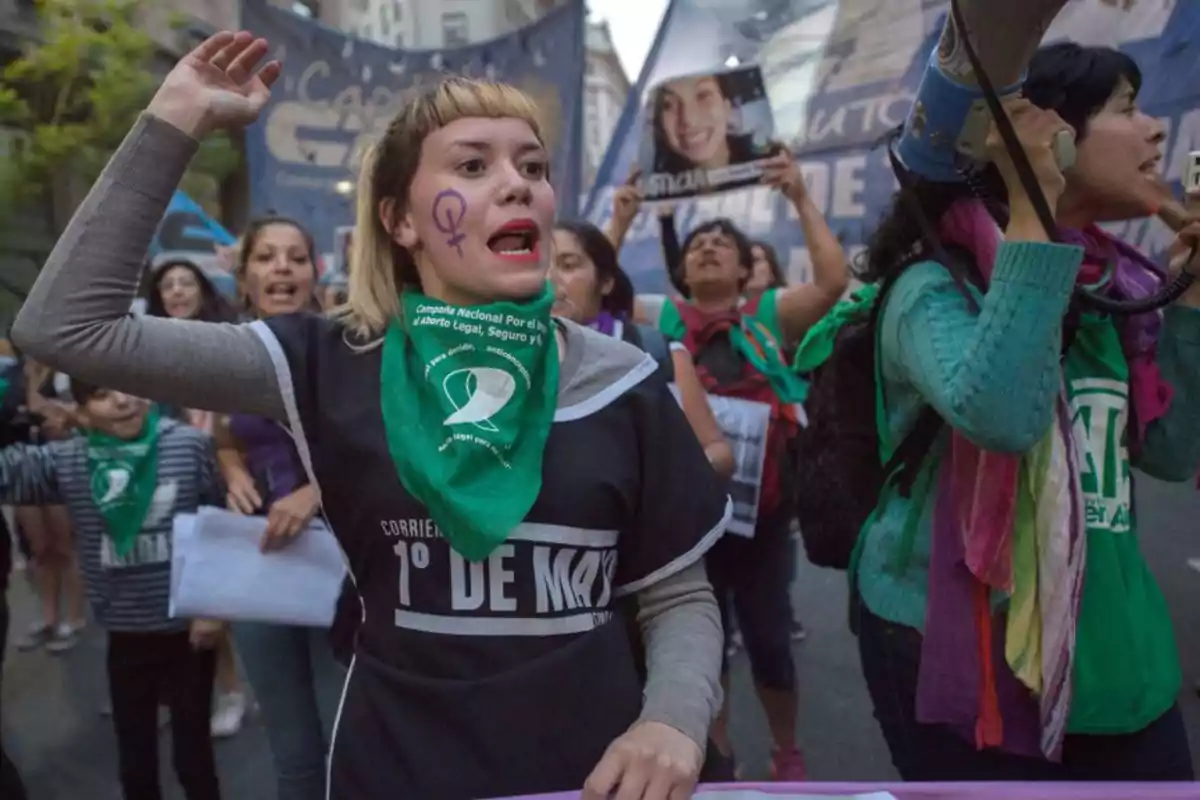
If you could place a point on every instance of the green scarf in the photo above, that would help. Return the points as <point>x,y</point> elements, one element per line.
<point>468,394</point>
<point>817,345</point>
<point>124,475</point>
<point>757,340</point>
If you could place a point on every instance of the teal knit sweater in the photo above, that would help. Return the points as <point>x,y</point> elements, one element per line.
<point>994,376</point>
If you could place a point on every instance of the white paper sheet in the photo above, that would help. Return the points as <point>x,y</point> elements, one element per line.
<point>218,571</point>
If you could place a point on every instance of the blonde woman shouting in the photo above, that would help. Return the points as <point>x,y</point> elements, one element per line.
<point>501,482</point>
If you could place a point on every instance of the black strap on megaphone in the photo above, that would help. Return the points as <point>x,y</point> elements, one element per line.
<point>1033,190</point>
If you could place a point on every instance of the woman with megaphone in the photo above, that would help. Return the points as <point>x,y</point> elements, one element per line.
<point>1009,627</point>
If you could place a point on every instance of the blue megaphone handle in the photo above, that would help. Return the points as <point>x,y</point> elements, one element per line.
<point>928,145</point>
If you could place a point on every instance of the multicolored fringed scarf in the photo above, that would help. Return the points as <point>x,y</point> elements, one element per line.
<point>1015,524</point>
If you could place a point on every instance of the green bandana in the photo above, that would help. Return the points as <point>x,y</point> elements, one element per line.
<point>468,395</point>
<point>124,475</point>
<point>4,386</point>
<point>817,345</point>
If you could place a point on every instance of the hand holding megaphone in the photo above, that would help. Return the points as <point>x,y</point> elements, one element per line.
<point>1038,131</point>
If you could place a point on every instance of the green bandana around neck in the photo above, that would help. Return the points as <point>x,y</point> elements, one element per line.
<point>124,475</point>
<point>4,387</point>
<point>468,395</point>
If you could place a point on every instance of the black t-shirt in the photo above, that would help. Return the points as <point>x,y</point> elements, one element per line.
<point>510,675</point>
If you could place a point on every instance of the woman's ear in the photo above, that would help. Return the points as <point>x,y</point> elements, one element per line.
<point>606,286</point>
<point>243,291</point>
<point>399,226</point>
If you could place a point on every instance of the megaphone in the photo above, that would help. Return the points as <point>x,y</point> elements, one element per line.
<point>985,48</point>
<point>946,131</point>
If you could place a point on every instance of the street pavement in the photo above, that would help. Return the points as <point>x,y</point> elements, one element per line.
<point>65,750</point>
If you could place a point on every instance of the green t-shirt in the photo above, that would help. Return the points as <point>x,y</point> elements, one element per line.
<point>759,340</point>
<point>1127,671</point>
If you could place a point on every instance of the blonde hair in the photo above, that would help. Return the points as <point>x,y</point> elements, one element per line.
<point>382,268</point>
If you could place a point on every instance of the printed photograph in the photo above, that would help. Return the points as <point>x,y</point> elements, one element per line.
<point>705,133</point>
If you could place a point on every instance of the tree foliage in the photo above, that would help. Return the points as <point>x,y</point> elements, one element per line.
<point>75,92</point>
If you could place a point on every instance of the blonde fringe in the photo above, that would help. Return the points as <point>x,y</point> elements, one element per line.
<point>373,296</point>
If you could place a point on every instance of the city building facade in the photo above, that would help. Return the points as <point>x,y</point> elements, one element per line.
<point>435,24</point>
<point>606,89</point>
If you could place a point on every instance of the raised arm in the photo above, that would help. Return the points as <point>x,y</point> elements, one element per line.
<point>77,317</point>
<point>800,306</point>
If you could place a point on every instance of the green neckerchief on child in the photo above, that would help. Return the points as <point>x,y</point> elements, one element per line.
<point>468,395</point>
<point>124,475</point>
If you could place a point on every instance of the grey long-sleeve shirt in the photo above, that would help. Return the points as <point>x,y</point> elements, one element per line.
<point>77,320</point>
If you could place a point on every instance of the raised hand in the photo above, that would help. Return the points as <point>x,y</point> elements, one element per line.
<point>780,171</point>
<point>1036,129</point>
<point>219,84</point>
<point>627,200</point>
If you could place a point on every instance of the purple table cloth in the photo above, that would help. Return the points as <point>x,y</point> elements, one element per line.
<point>935,791</point>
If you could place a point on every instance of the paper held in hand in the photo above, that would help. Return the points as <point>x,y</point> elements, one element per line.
<point>219,572</point>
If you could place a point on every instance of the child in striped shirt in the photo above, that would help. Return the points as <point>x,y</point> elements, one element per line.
<point>123,480</point>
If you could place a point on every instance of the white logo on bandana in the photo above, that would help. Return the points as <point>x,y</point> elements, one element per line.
<point>483,392</point>
<point>117,480</point>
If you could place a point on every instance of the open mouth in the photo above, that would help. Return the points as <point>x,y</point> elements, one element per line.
<point>281,292</point>
<point>1151,166</point>
<point>695,140</point>
<point>517,240</point>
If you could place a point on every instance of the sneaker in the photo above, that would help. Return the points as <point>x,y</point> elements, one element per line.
<point>787,766</point>
<point>64,637</point>
<point>37,637</point>
<point>228,714</point>
<point>798,632</point>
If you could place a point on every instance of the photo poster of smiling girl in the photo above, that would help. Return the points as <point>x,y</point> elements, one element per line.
<point>705,133</point>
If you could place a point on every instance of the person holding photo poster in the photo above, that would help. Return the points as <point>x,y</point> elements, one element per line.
<point>707,133</point>
<point>502,483</point>
<point>738,343</point>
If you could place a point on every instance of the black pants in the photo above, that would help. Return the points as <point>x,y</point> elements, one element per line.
<point>145,669</point>
<point>11,787</point>
<point>753,575</point>
<point>891,656</point>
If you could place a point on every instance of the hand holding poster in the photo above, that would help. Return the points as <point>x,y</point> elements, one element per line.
<point>839,76</point>
<point>705,133</point>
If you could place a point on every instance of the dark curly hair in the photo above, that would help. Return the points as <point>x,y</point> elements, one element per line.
<point>1070,79</point>
<point>725,226</point>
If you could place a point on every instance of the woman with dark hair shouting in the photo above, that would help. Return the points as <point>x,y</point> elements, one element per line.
<point>497,479</point>
<point>1009,626</point>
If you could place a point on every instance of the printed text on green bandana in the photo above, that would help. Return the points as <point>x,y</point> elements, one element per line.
<point>468,396</point>
<point>124,475</point>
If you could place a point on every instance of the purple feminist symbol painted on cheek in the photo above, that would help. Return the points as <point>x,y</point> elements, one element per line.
<point>449,208</point>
